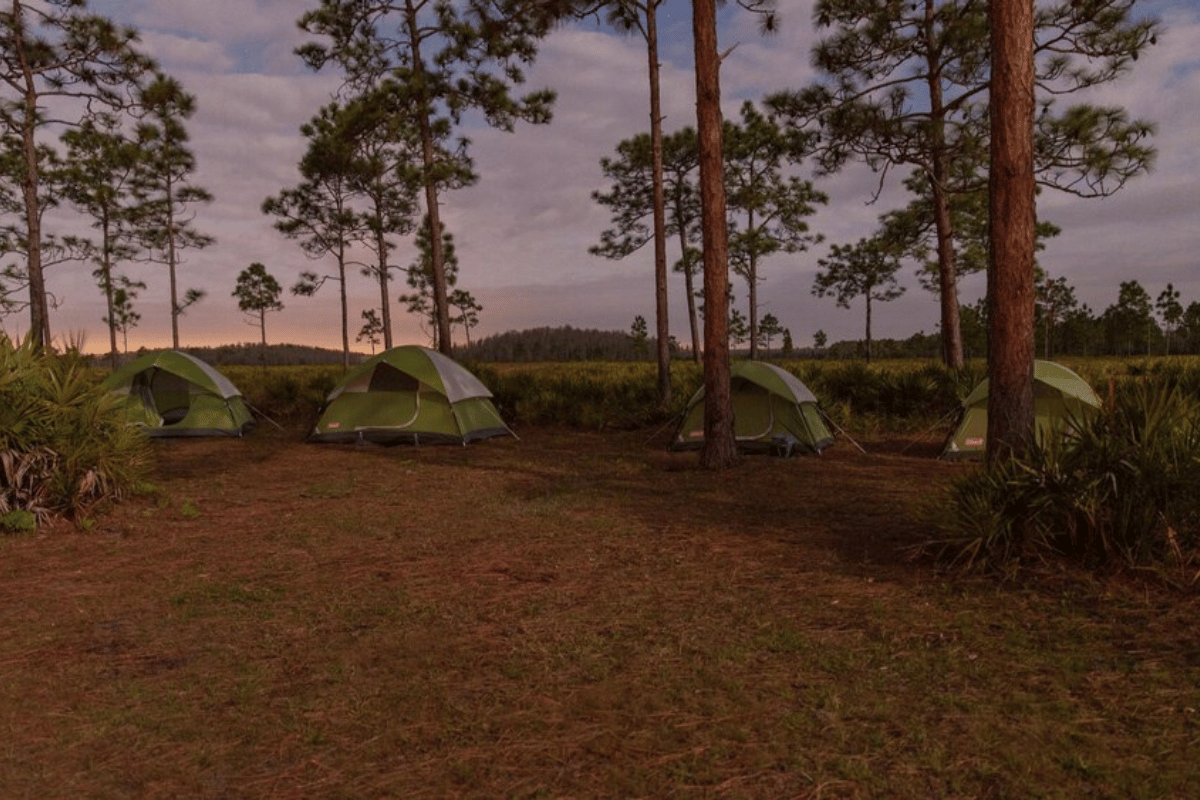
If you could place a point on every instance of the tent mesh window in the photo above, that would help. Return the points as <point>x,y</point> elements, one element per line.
<point>387,378</point>
<point>172,395</point>
<point>143,410</point>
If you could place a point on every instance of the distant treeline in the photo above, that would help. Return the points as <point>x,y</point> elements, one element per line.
<point>252,354</point>
<point>919,345</point>
<point>566,343</point>
<point>563,343</point>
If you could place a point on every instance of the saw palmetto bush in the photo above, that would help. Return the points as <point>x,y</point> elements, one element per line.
<point>886,397</point>
<point>65,446</point>
<point>282,393</point>
<point>588,395</point>
<point>1118,491</point>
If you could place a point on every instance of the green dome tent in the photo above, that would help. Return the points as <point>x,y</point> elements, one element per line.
<point>174,394</point>
<point>409,395</point>
<point>1059,396</point>
<point>773,412</point>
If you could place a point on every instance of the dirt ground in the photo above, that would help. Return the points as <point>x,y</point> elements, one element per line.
<point>861,506</point>
<point>568,614</point>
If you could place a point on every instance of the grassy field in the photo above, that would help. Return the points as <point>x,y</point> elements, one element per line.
<point>574,614</point>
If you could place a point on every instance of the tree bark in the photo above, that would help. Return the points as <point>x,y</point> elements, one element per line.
<point>171,256</point>
<point>1012,222</point>
<point>689,285</point>
<point>106,272</point>
<point>720,449</point>
<point>441,295</point>
<point>39,313</point>
<point>752,290</point>
<point>952,344</point>
<point>689,288</point>
<point>868,324</point>
<point>663,327</point>
<point>341,261</point>
<point>385,303</point>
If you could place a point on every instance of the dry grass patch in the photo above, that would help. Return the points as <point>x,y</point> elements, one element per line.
<point>567,615</point>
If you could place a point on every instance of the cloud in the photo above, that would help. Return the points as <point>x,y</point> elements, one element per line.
<point>187,54</point>
<point>213,20</point>
<point>523,230</point>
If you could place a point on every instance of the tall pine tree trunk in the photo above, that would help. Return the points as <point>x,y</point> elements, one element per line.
<point>663,327</point>
<point>385,304</point>
<point>689,287</point>
<point>939,177</point>
<point>720,449</point>
<point>752,289</point>
<point>952,343</point>
<point>868,324</point>
<point>341,261</point>
<point>441,296</point>
<point>39,313</point>
<point>106,272</point>
<point>1012,222</point>
<point>171,268</point>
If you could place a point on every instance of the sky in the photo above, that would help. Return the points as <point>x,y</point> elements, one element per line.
<point>522,232</point>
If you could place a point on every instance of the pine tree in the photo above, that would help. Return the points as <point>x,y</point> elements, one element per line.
<point>866,269</point>
<point>767,208</point>
<point>443,60</point>
<point>122,318</point>
<point>372,329</point>
<point>420,278</point>
<point>319,212</point>
<point>1171,311</point>
<point>98,183</point>
<point>382,167</point>
<point>720,447</point>
<point>55,53</point>
<point>642,16</point>
<point>257,293</point>
<point>1013,230</point>
<point>631,200</point>
<point>905,84</point>
<point>163,188</point>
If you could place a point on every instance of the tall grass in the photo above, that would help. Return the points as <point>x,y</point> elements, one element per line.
<point>881,396</point>
<point>65,446</point>
<point>611,395</point>
<point>874,397</point>
<point>285,394</point>
<point>1119,492</point>
<point>587,395</point>
<point>596,395</point>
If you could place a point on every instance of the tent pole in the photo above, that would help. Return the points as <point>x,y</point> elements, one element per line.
<point>672,421</point>
<point>261,414</point>
<point>839,430</point>
<point>934,427</point>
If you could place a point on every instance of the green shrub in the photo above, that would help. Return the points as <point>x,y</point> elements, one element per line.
<point>1120,492</point>
<point>65,446</point>
<point>871,396</point>
<point>599,395</point>
<point>623,395</point>
<point>18,522</point>
<point>285,394</point>
<point>591,395</point>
